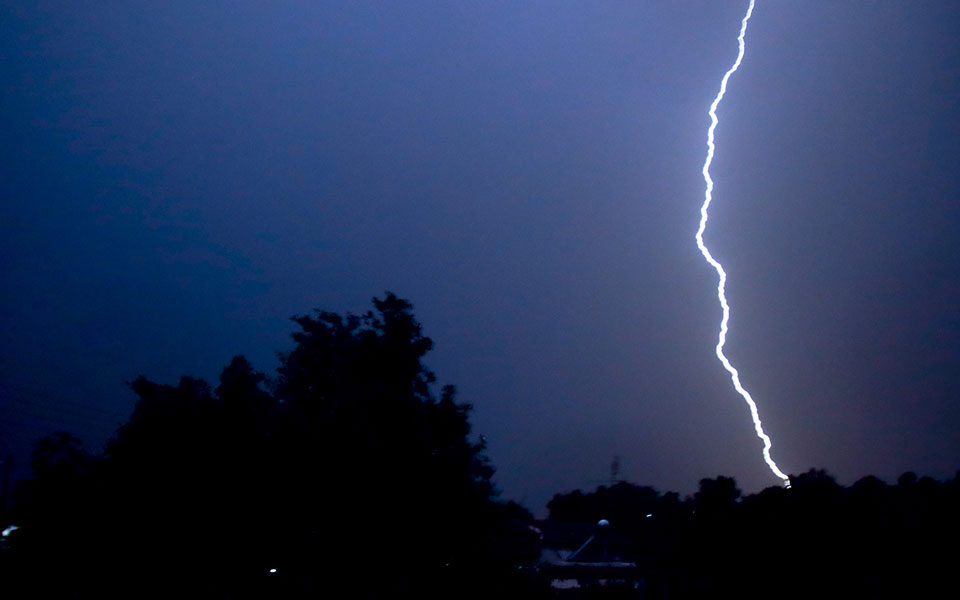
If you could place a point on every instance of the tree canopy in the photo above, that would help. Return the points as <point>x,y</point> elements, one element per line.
<point>353,473</point>
<point>348,470</point>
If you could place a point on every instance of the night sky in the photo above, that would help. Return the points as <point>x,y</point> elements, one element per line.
<point>179,178</point>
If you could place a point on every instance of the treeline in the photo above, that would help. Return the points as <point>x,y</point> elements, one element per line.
<point>345,475</point>
<point>349,474</point>
<point>817,539</point>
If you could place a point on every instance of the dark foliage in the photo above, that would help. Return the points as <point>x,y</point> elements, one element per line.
<point>816,539</point>
<point>351,478</point>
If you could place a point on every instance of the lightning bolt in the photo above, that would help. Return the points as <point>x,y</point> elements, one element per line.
<point>721,286</point>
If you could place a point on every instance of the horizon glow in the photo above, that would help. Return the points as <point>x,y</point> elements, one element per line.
<point>721,286</point>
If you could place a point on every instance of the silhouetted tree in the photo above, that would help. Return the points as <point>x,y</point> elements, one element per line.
<point>53,508</point>
<point>352,477</point>
<point>382,458</point>
<point>716,498</point>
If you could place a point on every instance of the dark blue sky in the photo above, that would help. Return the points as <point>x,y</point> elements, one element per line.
<point>180,178</point>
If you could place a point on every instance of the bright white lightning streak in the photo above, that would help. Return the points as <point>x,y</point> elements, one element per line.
<point>708,196</point>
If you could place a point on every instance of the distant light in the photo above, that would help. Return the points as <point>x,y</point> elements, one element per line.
<point>603,523</point>
<point>649,515</point>
<point>273,570</point>
<point>9,530</point>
